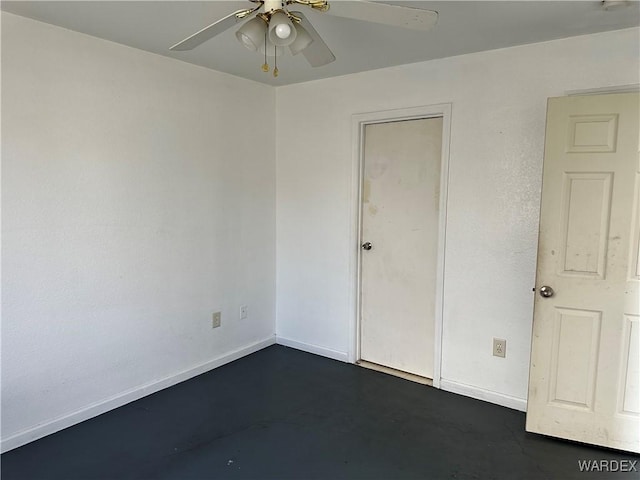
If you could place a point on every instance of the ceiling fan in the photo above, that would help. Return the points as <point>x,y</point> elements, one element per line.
<point>274,26</point>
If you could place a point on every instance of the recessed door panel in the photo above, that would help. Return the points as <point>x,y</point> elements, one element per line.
<point>631,366</point>
<point>575,358</point>
<point>586,206</point>
<point>634,251</point>
<point>592,133</point>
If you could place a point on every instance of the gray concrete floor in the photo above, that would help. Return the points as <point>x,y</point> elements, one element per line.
<point>285,414</point>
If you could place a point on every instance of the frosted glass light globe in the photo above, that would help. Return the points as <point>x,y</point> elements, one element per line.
<point>246,41</point>
<point>283,30</point>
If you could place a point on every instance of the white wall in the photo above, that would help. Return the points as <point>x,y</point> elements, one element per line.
<point>499,102</point>
<point>138,197</point>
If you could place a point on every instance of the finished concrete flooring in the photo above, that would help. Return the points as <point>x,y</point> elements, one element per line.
<point>285,414</point>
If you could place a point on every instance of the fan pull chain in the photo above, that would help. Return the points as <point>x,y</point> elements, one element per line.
<point>265,65</point>
<point>275,61</point>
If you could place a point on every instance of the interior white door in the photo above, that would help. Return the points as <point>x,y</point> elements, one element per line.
<point>585,363</point>
<point>400,214</point>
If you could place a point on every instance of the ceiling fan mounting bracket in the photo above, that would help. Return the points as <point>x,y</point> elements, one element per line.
<point>245,13</point>
<point>321,5</point>
<point>273,5</point>
<point>264,17</point>
<point>293,17</point>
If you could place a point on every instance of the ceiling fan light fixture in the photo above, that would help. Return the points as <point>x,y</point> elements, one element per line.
<point>281,30</point>
<point>273,27</point>
<point>302,41</point>
<point>252,33</point>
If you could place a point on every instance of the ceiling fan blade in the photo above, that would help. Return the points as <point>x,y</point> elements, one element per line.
<point>317,54</point>
<point>394,15</point>
<point>207,33</point>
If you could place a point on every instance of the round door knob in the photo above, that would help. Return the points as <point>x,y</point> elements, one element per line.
<point>546,291</point>
<point>367,246</point>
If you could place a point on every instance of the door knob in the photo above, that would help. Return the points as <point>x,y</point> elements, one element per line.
<point>367,246</point>
<point>546,291</point>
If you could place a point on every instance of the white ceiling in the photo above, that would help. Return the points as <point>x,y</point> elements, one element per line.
<point>463,27</point>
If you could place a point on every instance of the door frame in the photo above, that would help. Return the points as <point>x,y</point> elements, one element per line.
<point>358,123</point>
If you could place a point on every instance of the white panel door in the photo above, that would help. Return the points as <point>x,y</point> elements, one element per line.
<point>585,360</point>
<point>400,214</point>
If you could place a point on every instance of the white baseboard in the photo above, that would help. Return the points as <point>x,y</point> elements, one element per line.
<point>482,394</point>
<point>103,406</point>
<point>307,347</point>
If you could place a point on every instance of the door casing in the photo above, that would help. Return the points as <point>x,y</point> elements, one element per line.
<point>359,122</point>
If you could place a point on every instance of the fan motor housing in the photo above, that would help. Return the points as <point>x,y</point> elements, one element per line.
<point>273,5</point>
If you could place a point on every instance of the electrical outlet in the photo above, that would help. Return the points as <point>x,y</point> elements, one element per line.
<point>243,312</point>
<point>217,320</point>
<point>499,347</point>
